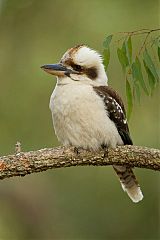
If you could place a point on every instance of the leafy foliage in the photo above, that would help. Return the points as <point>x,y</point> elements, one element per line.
<point>141,69</point>
<point>159,53</point>
<point>129,98</point>
<point>122,58</point>
<point>138,76</point>
<point>106,52</point>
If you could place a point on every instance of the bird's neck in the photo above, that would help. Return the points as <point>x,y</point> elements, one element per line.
<point>62,81</point>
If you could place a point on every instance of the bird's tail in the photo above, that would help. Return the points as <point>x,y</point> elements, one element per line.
<point>129,182</point>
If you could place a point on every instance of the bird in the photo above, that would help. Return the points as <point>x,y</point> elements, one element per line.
<point>86,112</point>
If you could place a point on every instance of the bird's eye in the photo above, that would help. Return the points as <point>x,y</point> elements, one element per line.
<point>77,67</point>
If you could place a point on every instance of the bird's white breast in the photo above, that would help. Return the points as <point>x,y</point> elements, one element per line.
<point>80,118</point>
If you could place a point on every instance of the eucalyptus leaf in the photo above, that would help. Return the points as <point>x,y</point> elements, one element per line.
<point>137,74</point>
<point>124,49</point>
<point>137,91</point>
<point>156,41</point>
<point>151,78</point>
<point>106,57</point>
<point>129,99</point>
<point>148,61</point>
<point>107,41</point>
<point>159,53</point>
<point>122,58</point>
<point>129,49</point>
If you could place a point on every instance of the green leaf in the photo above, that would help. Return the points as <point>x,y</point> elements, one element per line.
<point>122,58</point>
<point>148,61</point>
<point>151,78</point>
<point>106,57</point>
<point>107,41</point>
<point>137,74</point>
<point>124,49</point>
<point>137,91</point>
<point>156,41</point>
<point>129,49</point>
<point>129,99</point>
<point>159,53</point>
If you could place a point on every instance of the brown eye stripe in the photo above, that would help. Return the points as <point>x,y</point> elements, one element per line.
<point>91,73</point>
<point>77,67</point>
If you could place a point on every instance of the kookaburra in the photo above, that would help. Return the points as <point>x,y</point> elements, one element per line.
<point>86,112</point>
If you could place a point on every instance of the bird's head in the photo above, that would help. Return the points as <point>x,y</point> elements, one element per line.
<point>80,64</point>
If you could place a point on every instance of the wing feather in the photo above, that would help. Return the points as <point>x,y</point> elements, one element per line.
<point>116,111</point>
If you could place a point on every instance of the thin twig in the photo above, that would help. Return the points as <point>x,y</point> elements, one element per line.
<point>144,43</point>
<point>135,33</point>
<point>141,31</point>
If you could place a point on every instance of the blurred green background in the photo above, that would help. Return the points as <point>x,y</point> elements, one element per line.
<point>75,203</point>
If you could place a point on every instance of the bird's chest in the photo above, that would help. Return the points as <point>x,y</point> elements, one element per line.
<point>73,111</point>
<point>63,102</point>
<point>79,117</point>
<point>68,103</point>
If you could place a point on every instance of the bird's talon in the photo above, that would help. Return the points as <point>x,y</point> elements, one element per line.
<point>105,152</point>
<point>76,150</point>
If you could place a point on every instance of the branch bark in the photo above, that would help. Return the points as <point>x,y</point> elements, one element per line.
<point>23,163</point>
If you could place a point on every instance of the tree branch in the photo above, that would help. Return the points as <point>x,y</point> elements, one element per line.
<point>23,163</point>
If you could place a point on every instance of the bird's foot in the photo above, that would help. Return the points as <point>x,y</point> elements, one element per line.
<point>77,150</point>
<point>105,148</point>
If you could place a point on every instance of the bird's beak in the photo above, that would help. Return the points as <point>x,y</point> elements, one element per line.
<point>56,69</point>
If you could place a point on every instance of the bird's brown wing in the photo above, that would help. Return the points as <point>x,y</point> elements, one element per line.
<point>116,111</point>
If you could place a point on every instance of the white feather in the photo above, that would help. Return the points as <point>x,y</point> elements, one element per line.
<point>87,58</point>
<point>80,118</point>
<point>134,193</point>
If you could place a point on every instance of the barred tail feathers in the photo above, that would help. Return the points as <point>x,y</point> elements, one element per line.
<point>129,182</point>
